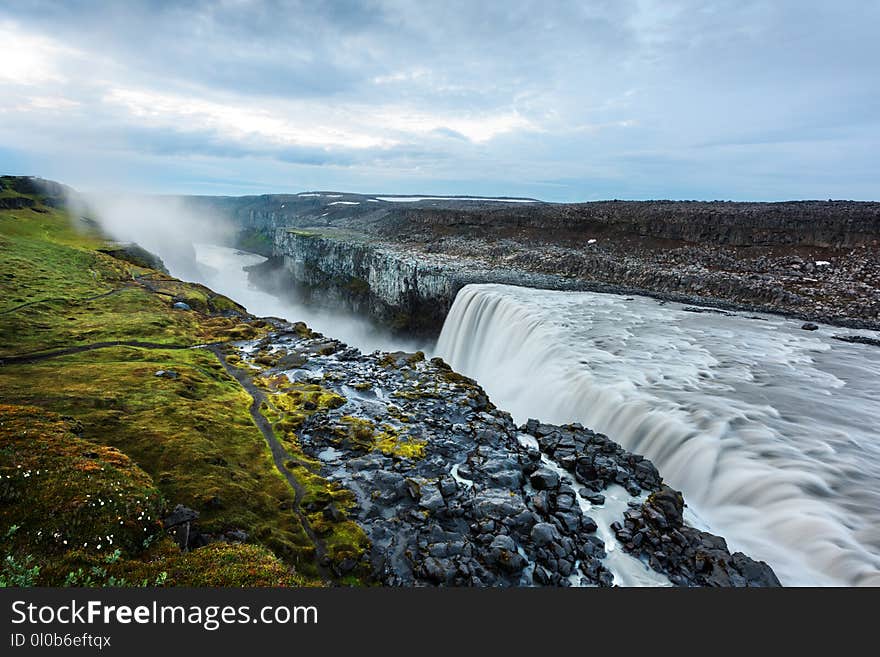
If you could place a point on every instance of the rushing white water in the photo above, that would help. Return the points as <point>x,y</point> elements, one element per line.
<point>222,269</point>
<point>626,569</point>
<point>770,431</point>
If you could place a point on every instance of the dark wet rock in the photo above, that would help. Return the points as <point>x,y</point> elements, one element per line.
<point>235,536</point>
<point>503,552</point>
<point>543,533</point>
<point>181,526</point>
<point>689,557</point>
<point>180,515</point>
<point>669,503</point>
<point>809,326</point>
<point>858,339</point>
<point>544,479</point>
<point>431,498</point>
<point>473,506</point>
<point>646,475</point>
<point>592,497</point>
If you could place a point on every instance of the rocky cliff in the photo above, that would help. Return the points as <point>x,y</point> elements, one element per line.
<point>403,262</point>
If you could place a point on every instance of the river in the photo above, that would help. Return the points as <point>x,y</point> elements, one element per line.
<point>221,269</point>
<point>770,431</point>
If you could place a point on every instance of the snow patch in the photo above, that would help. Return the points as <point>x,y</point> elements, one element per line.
<point>413,199</point>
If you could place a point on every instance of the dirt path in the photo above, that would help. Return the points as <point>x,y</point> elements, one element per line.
<point>45,355</point>
<point>279,453</point>
<point>67,299</point>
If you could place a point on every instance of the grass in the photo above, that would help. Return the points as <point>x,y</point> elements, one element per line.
<point>193,434</point>
<point>64,492</point>
<point>76,507</point>
<point>46,261</point>
<point>187,440</point>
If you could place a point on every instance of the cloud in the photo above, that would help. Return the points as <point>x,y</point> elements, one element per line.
<point>616,96</point>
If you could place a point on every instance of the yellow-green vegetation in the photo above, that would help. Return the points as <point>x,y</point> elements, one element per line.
<point>287,407</point>
<point>183,438</point>
<point>289,404</point>
<point>64,492</point>
<point>363,434</point>
<point>217,564</point>
<point>329,503</point>
<point>391,359</point>
<point>390,441</point>
<point>193,433</point>
<point>196,296</point>
<point>75,512</point>
<point>255,242</point>
<point>53,266</point>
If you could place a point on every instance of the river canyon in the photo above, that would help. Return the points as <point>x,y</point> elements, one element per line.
<point>741,411</point>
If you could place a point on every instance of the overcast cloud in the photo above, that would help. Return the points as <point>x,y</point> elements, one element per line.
<point>558,100</point>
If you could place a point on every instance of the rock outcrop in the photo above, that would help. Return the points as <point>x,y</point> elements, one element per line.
<point>448,490</point>
<point>404,262</point>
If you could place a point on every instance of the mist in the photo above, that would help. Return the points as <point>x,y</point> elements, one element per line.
<point>164,225</point>
<point>196,245</point>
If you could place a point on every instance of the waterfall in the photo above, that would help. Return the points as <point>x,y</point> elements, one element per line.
<point>770,431</point>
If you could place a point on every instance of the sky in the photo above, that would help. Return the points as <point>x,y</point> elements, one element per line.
<point>562,101</point>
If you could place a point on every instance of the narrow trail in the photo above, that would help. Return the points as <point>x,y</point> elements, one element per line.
<point>279,453</point>
<point>45,355</point>
<point>66,299</point>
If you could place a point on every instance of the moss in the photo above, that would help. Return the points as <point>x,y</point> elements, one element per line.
<point>74,503</point>
<point>218,564</point>
<point>255,242</point>
<point>180,431</point>
<point>290,404</point>
<point>362,435</point>
<point>390,441</point>
<point>65,492</point>
<point>188,439</point>
<point>358,432</point>
<point>414,393</point>
<point>302,330</point>
<point>399,415</point>
<point>328,504</point>
<point>56,269</point>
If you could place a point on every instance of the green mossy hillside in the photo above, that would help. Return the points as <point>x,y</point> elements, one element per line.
<point>79,513</point>
<point>64,492</point>
<point>193,433</point>
<point>185,437</point>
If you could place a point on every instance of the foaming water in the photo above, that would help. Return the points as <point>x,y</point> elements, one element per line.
<point>771,431</point>
<point>222,269</point>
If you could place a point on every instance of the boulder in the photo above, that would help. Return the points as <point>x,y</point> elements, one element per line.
<point>543,533</point>
<point>544,479</point>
